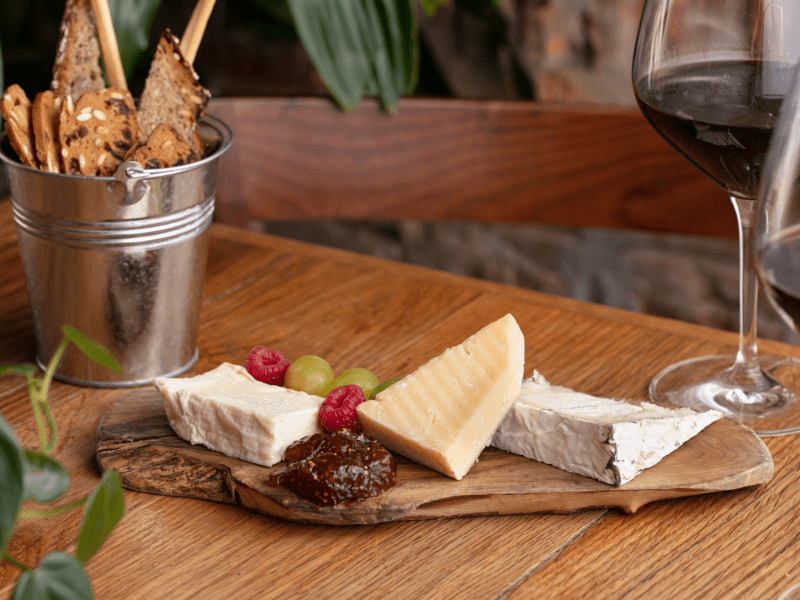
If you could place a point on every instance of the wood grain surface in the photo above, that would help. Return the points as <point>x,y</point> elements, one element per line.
<point>134,438</point>
<point>297,159</point>
<point>389,317</point>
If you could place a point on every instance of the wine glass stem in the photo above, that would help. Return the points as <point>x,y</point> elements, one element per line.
<point>746,364</point>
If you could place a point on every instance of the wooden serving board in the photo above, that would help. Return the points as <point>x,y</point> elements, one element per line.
<point>134,437</point>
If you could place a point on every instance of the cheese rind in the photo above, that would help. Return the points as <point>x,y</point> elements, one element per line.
<point>230,412</point>
<point>444,414</point>
<point>608,440</point>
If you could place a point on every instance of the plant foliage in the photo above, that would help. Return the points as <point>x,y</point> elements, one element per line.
<point>359,47</point>
<point>132,20</point>
<point>34,475</point>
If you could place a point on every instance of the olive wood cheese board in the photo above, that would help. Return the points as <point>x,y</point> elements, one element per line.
<point>135,438</point>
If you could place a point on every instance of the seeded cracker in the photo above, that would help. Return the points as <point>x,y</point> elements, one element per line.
<point>45,117</point>
<point>96,132</point>
<point>77,65</point>
<point>173,95</point>
<point>16,110</point>
<point>164,148</point>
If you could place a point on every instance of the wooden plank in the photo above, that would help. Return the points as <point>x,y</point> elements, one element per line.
<point>295,159</point>
<point>689,549</point>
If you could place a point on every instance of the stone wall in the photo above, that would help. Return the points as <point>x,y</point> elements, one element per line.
<point>570,50</point>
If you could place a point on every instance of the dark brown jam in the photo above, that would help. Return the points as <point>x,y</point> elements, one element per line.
<point>333,468</point>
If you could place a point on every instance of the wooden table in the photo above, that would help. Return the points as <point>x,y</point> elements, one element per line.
<point>391,317</point>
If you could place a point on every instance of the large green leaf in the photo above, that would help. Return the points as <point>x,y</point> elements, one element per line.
<point>360,47</point>
<point>11,482</point>
<point>59,577</point>
<point>104,509</point>
<point>94,351</point>
<point>132,20</point>
<point>45,478</point>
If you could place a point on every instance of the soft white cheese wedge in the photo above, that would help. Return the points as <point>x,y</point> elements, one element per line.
<point>609,440</point>
<point>230,412</point>
<point>444,414</point>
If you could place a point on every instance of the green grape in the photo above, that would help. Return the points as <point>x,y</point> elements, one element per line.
<point>381,387</point>
<point>358,376</point>
<point>310,374</point>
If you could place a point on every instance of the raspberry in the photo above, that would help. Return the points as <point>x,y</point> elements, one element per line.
<point>267,366</point>
<point>338,411</point>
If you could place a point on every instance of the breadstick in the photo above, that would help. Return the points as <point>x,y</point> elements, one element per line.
<point>108,45</point>
<point>190,41</point>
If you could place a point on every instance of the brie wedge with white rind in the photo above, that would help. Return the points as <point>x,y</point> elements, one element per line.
<point>229,411</point>
<point>608,440</point>
<point>444,414</point>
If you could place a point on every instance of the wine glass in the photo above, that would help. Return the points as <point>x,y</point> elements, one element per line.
<point>776,234</point>
<point>710,76</point>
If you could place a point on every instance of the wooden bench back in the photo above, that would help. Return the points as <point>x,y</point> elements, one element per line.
<point>433,160</point>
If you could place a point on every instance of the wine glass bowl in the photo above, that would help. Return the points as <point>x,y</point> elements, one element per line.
<point>776,235</point>
<point>710,77</point>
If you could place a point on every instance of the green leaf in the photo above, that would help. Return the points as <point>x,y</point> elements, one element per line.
<point>132,21</point>
<point>360,46</point>
<point>430,6</point>
<point>94,351</point>
<point>45,479</point>
<point>59,577</point>
<point>104,509</point>
<point>11,482</point>
<point>24,370</point>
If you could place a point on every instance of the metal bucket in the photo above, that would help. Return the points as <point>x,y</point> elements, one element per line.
<point>122,259</point>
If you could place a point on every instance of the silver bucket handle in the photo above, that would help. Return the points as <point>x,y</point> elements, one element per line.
<point>130,183</point>
<point>134,170</point>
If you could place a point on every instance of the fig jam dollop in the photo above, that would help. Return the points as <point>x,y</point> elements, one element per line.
<point>336,467</point>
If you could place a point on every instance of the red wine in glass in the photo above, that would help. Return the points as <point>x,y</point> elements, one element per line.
<point>779,266</point>
<point>716,115</point>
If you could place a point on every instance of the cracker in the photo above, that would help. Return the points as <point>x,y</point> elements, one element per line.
<point>97,131</point>
<point>164,148</point>
<point>173,95</point>
<point>16,111</point>
<point>77,65</point>
<point>45,117</point>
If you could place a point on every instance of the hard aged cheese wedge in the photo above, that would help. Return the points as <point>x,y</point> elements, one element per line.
<point>609,440</point>
<point>228,411</point>
<point>444,414</point>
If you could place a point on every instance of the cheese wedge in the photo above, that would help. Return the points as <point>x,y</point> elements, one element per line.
<point>230,412</point>
<point>608,440</point>
<point>444,414</point>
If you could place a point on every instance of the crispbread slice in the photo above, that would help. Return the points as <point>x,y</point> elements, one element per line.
<point>45,117</point>
<point>16,110</point>
<point>164,148</point>
<point>77,65</point>
<point>97,131</point>
<point>173,95</point>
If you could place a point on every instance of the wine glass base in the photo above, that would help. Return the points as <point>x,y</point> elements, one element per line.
<point>771,407</point>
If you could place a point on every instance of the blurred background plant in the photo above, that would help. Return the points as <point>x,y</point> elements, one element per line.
<point>345,48</point>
